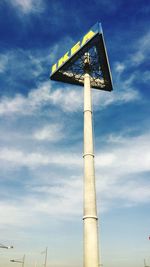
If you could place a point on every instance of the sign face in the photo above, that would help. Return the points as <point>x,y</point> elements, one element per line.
<point>69,68</point>
<point>86,38</point>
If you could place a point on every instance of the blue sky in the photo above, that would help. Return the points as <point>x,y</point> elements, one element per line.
<point>41,133</point>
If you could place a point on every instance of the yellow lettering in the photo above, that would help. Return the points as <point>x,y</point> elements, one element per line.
<point>87,37</point>
<point>63,59</point>
<point>54,67</point>
<point>75,48</point>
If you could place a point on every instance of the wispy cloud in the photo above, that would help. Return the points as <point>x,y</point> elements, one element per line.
<point>127,158</point>
<point>59,200</point>
<point>139,55</point>
<point>16,61</point>
<point>69,100</point>
<point>25,105</point>
<point>53,133</point>
<point>114,167</point>
<point>28,6</point>
<point>142,50</point>
<point>59,195</point>
<point>119,67</point>
<point>19,214</point>
<point>103,99</point>
<point>3,63</point>
<point>36,159</point>
<point>107,5</point>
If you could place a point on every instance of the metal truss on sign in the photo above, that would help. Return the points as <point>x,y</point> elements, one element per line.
<point>71,68</point>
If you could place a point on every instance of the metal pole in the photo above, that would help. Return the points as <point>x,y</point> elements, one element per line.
<point>90,220</point>
<point>23,261</point>
<point>45,257</point>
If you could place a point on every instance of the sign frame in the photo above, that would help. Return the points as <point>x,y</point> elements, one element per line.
<point>94,37</point>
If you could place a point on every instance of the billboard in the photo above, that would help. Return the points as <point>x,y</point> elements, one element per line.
<point>69,68</point>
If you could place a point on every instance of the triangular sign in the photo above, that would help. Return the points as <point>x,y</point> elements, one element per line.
<point>70,67</point>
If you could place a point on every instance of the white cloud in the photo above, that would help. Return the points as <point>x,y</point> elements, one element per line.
<point>127,158</point>
<point>103,99</point>
<point>12,105</point>
<point>121,160</point>
<point>119,67</point>
<point>142,50</point>
<point>60,197</point>
<point>15,214</point>
<point>69,100</point>
<point>105,159</point>
<point>19,64</point>
<point>53,132</point>
<point>146,76</point>
<point>3,63</point>
<point>134,192</point>
<point>63,198</point>
<point>25,105</point>
<point>27,6</point>
<point>125,155</point>
<point>140,54</point>
<point>34,159</point>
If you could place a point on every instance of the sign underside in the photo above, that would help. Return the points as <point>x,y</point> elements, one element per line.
<point>70,68</point>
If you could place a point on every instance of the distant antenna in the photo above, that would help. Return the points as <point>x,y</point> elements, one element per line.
<point>45,259</point>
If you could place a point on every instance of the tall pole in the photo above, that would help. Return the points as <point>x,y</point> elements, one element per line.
<point>90,220</point>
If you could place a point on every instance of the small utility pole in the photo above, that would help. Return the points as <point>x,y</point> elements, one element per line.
<point>45,257</point>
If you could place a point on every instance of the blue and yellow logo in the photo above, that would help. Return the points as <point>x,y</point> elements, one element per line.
<point>87,37</point>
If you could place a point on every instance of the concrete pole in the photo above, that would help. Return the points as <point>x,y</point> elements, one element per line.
<point>90,220</point>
